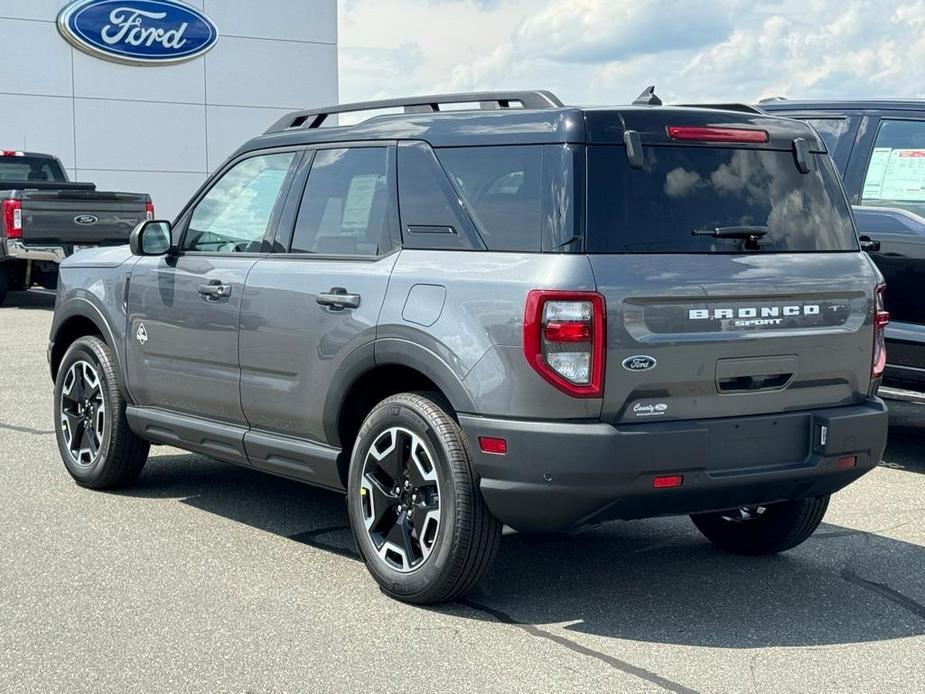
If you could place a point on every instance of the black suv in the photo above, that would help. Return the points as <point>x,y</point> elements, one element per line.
<point>879,149</point>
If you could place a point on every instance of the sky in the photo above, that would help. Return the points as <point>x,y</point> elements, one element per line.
<point>608,51</point>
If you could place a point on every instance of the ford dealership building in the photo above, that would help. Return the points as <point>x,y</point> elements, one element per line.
<point>151,95</point>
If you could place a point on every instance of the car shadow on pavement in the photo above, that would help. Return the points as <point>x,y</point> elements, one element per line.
<point>656,580</point>
<point>35,299</point>
<point>906,445</point>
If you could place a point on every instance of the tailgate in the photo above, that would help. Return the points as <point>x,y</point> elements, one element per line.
<point>730,335</point>
<point>80,217</point>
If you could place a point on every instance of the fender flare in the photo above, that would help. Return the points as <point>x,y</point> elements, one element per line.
<point>80,307</point>
<point>385,352</point>
<point>406,353</point>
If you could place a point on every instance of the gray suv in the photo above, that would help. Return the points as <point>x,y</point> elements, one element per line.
<point>509,311</point>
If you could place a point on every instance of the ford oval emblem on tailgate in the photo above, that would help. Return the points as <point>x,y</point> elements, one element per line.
<point>86,219</point>
<point>639,362</point>
<point>140,32</point>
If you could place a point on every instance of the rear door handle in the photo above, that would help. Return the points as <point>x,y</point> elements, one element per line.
<point>338,298</point>
<point>215,289</point>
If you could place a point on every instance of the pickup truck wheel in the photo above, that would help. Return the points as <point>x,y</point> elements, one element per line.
<point>415,508</point>
<point>97,446</point>
<point>4,283</point>
<point>770,529</point>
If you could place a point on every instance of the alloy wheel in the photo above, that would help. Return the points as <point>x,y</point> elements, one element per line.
<point>400,499</point>
<point>83,413</point>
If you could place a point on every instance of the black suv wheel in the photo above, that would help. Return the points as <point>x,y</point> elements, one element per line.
<point>97,446</point>
<point>414,504</point>
<point>763,529</point>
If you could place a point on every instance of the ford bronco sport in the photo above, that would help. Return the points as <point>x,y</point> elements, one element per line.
<point>506,312</point>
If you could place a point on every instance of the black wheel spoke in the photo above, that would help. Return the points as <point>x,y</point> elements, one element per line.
<point>73,426</point>
<point>382,503</point>
<point>400,536</point>
<point>420,471</point>
<point>392,463</point>
<point>420,519</point>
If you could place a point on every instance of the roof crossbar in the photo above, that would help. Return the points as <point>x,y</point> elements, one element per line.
<point>313,118</point>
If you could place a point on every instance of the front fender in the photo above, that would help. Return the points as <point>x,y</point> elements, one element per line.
<point>101,303</point>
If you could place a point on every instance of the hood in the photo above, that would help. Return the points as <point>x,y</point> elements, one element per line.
<point>106,256</point>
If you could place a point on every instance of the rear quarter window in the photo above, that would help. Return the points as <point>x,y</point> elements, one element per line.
<point>682,192</point>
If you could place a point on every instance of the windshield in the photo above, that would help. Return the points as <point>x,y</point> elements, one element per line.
<point>29,169</point>
<point>714,200</point>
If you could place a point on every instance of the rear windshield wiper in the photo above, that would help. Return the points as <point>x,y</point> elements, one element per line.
<point>746,233</point>
<point>750,236</point>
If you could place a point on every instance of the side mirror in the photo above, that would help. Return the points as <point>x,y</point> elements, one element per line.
<point>869,245</point>
<point>151,237</point>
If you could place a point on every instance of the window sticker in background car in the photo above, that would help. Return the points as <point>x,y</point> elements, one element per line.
<point>896,174</point>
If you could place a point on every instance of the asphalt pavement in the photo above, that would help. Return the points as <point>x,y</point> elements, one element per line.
<point>207,577</point>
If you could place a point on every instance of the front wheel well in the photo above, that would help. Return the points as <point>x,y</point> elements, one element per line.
<point>72,329</point>
<point>369,390</point>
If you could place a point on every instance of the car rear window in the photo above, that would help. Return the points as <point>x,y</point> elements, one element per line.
<point>29,169</point>
<point>682,194</point>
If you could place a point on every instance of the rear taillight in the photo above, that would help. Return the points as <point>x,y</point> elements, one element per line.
<point>12,218</point>
<point>149,210</point>
<point>881,318</point>
<point>564,340</point>
<point>689,133</point>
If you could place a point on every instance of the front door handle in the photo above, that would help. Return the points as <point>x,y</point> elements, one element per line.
<point>215,289</point>
<point>338,298</point>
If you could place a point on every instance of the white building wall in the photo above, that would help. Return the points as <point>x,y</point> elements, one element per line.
<point>161,129</point>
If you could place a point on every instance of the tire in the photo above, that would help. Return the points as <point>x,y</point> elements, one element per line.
<point>97,446</point>
<point>776,528</point>
<point>4,282</point>
<point>432,541</point>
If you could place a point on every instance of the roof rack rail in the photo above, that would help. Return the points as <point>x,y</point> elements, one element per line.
<point>313,118</point>
<point>745,108</point>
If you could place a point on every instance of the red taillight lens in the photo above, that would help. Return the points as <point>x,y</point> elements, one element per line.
<point>668,481</point>
<point>881,318</point>
<point>149,210</point>
<point>846,462</point>
<point>12,219</point>
<point>688,133</point>
<point>564,340</point>
<point>493,445</point>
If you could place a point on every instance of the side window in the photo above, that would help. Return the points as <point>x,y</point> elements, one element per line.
<point>345,206</point>
<point>896,170</point>
<point>503,191</point>
<point>233,216</point>
<point>830,130</point>
<point>431,215</point>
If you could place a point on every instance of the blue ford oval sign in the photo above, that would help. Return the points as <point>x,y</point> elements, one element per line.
<point>639,362</point>
<point>140,32</point>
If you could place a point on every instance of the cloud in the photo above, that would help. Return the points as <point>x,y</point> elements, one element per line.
<point>598,31</point>
<point>604,51</point>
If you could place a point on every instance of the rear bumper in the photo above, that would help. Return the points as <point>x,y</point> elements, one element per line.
<point>556,475</point>
<point>21,251</point>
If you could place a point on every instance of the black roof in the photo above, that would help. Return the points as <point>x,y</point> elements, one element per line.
<point>789,105</point>
<point>540,119</point>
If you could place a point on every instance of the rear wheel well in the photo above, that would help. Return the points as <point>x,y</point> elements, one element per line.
<point>368,391</point>
<point>72,329</point>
